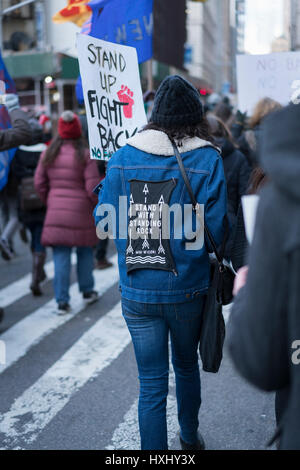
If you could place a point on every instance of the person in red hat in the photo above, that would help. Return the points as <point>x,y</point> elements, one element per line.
<point>64,179</point>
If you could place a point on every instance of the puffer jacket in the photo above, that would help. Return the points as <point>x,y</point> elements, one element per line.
<point>66,187</point>
<point>142,177</point>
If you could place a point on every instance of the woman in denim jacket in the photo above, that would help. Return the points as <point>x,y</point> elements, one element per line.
<point>163,257</point>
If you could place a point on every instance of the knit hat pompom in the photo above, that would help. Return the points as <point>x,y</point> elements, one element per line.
<point>68,116</point>
<point>177,103</point>
<point>69,126</point>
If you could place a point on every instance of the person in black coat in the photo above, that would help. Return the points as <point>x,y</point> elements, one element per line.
<point>23,166</point>
<point>20,132</point>
<point>237,172</point>
<point>264,328</point>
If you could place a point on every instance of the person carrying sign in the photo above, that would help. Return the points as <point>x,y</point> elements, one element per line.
<point>164,278</point>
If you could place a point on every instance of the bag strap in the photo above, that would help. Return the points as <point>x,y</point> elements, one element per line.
<point>196,205</point>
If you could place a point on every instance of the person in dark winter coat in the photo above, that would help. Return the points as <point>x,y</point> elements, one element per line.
<point>64,179</point>
<point>237,172</point>
<point>10,198</point>
<point>163,280</point>
<point>18,134</point>
<point>264,327</point>
<point>23,166</point>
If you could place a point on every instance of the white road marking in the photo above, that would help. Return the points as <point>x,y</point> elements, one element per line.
<point>34,327</point>
<point>18,289</point>
<point>94,351</point>
<point>40,403</point>
<point>126,435</point>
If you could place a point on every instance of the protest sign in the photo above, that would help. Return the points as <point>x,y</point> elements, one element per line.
<point>126,22</point>
<point>250,204</point>
<point>112,94</point>
<point>270,75</point>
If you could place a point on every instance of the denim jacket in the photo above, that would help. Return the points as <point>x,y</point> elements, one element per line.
<point>142,178</point>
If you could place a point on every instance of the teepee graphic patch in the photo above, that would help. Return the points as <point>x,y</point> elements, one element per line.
<point>146,247</point>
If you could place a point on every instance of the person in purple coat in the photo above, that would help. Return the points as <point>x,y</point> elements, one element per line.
<point>64,179</point>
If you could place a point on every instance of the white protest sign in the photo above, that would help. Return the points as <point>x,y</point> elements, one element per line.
<point>112,94</point>
<point>270,75</point>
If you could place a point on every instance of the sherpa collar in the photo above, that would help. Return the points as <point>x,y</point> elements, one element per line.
<point>158,143</point>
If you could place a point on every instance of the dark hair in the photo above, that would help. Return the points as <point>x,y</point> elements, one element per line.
<point>219,129</point>
<point>257,180</point>
<point>201,130</point>
<point>223,111</point>
<point>80,146</point>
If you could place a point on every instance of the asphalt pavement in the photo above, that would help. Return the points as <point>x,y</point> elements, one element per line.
<point>71,382</point>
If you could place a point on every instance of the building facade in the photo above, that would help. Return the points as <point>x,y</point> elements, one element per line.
<point>209,44</point>
<point>225,58</point>
<point>39,55</point>
<point>287,17</point>
<point>240,13</point>
<point>295,24</point>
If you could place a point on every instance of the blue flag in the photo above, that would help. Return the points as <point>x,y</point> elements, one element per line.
<point>7,156</point>
<point>127,22</point>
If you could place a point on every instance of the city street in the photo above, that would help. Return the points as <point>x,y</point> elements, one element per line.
<point>70,382</point>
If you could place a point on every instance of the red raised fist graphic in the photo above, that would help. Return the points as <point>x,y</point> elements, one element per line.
<point>125,96</point>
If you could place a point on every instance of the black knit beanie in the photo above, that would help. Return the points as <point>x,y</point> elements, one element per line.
<point>177,103</point>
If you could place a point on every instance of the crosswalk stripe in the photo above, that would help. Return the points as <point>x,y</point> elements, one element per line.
<point>125,436</point>
<point>34,327</point>
<point>40,403</point>
<point>18,289</point>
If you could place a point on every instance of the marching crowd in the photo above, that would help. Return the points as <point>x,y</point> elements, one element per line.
<point>187,152</point>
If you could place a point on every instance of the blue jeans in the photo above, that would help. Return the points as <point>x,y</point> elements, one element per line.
<point>62,268</point>
<point>149,326</point>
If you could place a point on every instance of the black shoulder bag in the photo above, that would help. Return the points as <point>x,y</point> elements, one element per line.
<point>219,293</point>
